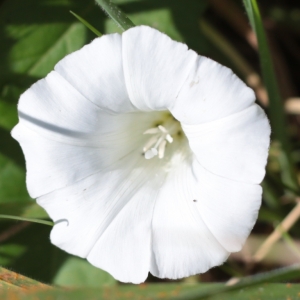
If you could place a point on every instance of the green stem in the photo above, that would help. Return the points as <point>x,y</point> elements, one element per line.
<point>115,14</point>
<point>27,219</point>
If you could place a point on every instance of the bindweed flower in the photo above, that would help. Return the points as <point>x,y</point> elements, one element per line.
<point>147,156</point>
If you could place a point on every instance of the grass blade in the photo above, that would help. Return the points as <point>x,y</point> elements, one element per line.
<point>86,23</point>
<point>14,281</point>
<point>27,219</point>
<point>116,14</point>
<point>277,116</point>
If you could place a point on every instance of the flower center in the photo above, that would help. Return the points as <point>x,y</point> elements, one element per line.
<point>161,136</point>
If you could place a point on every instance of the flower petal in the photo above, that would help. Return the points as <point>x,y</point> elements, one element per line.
<point>53,165</point>
<point>198,219</point>
<point>81,130</point>
<point>107,217</point>
<point>54,109</point>
<point>210,92</point>
<point>96,71</point>
<point>124,250</point>
<point>235,147</point>
<point>183,245</point>
<point>228,208</point>
<point>63,145</point>
<point>155,67</point>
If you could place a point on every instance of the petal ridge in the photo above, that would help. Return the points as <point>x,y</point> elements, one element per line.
<point>222,145</point>
<point>183,244</point>
<point>155,67</point>
<point>211,92</point>
<point>96,70</point>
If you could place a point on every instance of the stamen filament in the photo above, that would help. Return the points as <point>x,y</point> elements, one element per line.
<point>150,143</point>
<point>156,145</point>
<point>161,149</point>
<point>151,131</point>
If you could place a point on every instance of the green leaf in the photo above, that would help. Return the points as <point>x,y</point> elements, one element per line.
<point>12,175</point>
<point>26,248</point>
<point>35,35</point>
<point>116,14</point>
<point>77,272</point>
<point>265,291</point>
<point>283,274</point>
<point>16,286</point>
<point>28,209</point>
<point>277,116</point>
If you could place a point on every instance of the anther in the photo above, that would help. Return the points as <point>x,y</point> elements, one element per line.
<point>150,153</point>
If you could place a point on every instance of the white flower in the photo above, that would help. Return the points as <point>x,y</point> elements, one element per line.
<point>147,156</point>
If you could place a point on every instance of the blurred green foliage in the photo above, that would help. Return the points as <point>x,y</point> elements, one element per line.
<point>34,36</point>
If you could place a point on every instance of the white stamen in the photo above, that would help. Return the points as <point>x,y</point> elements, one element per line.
<point>169,138</point>
<point>150,143</point>
<point>157,141</point>
<point>163,129</point>
<point>151,131</point>
<point>161,149</point>
<point>156,145</point>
